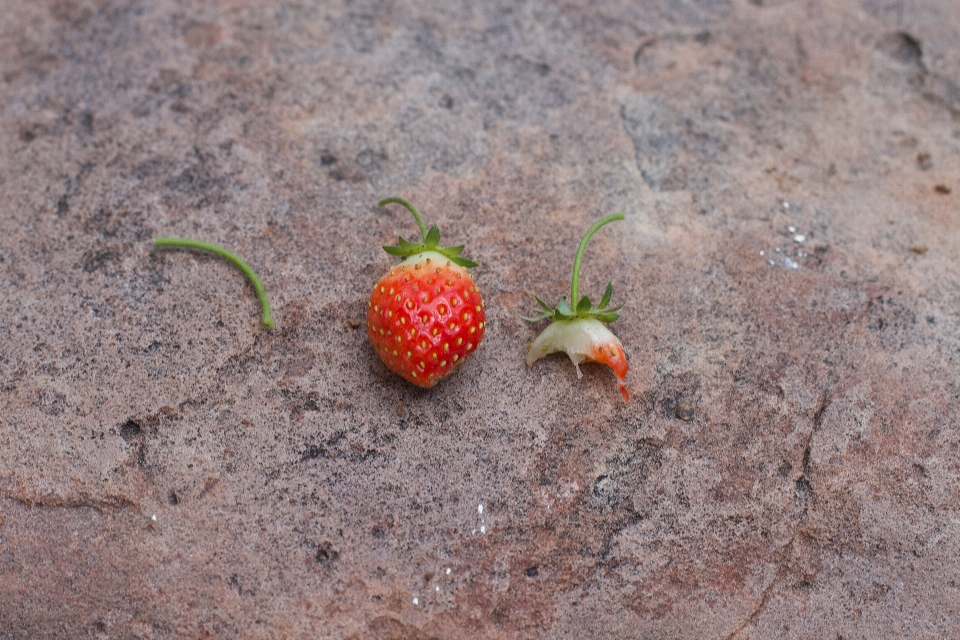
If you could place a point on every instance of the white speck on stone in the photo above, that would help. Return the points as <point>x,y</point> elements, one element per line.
<point>438,587</point>
<point>790,263</point>
<point>479,508</point>
<point>777,249</point>
<point>792,229</point>
<point>416,601</point>
<point>761,252</point>
<point>786,205</point>
<point>474,532</point>
<point>154,517</point>
<point>799,238</point>
<point>448,570</point>
<point>770,262</point>
<point>483,529</point>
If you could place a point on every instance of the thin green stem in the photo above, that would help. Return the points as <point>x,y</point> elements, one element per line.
<point>411,209</point>
<point>186,243</point>
<point>575,281</point>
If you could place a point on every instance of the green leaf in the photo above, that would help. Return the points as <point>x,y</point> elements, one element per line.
<point>452,251</point>
<point>563,309</point>
<point>409,247</point>
<point>433,237</point>
<point>543,304</point>
<point>395,251</point>
<point>584,305</point>
<point>542,316</point>
<point>607,294</point>
<point>607,316</point>
<point>463,262</point>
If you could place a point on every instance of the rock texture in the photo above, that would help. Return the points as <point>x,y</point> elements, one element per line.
<point>788,466</point>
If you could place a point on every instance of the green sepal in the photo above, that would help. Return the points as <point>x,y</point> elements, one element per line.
<point>543,304</point>
<point>463,262</point>
<point>584,306</point>
<point>606,317</point>
<point>395,251</point>
<point>607,294</point>
<point>431,239</point>
<point>542,316</point>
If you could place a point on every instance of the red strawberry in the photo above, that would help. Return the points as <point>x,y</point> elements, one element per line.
<point>579,331</point>
<point>425,316</point>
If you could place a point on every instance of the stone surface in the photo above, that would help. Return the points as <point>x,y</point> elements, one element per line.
<point>788,466</point>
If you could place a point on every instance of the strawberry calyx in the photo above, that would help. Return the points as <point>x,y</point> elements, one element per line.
<point>431,239</point>
<point>584,306</point>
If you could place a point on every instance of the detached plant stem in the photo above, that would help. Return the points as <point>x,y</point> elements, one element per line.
<point>186,243</point>
<point>575,280</point>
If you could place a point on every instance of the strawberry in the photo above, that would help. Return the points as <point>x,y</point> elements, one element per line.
<point>425,316</point>
<point>579,331</point>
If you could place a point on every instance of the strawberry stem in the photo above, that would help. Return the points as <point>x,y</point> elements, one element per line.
<point>575,281</point>
<point>186,243</point>
<point>411,209</point>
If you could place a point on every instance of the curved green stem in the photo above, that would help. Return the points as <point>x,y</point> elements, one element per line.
<point>186,243</point>
<point>411,209</point>
<point>575,281</point>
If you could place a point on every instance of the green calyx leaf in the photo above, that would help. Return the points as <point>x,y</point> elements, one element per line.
<point>431,239</point>
<point>584,307</point>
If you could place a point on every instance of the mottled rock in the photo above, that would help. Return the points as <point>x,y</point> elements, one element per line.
<point>790,175</point>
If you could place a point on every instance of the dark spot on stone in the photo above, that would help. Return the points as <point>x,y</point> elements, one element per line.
<point>533,572</point>
<point>347,173</point>
<point>86,122</point>
<point>100,626</point>
<point>377,532</point>
<point>646,44</point>
<point>313,452</point>
<point>326,554</point>
<point>603,489</point>
<point>902,47</point>
<point>129,430</point>
<point>685,409</point>
<point>703,37</point>
<point>942,189</point>
<point>209,485</point>
<point>919,249</point>
<point>99,259</point>
<point>179,107</point>
<point>27,135</point>
<point>428,576</point>
<point>327,159</point>
<point>802,488</point>
<point>924,161</point>
<point>931,320</point>
<point>63,205</point>
<point>543,69</point>
<point>784,469</point>
<point>446,102</point>
<point>173,498</point>
<point>353,323</point>
<point>498,616</point>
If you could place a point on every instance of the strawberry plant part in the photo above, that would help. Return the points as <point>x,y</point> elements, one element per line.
<point>578,327</point>
<point>425,316</point>
<point>186,243</point>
